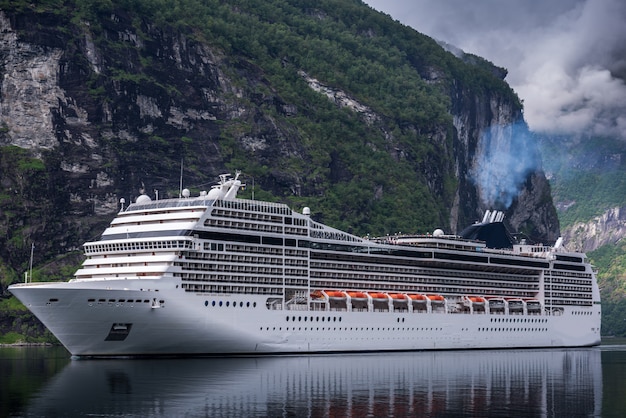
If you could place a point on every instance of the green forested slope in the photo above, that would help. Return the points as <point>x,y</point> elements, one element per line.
<point>397,172</point>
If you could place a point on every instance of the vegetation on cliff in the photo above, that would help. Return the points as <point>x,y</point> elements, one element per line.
<point>394,172</point>
<point>226,85</point>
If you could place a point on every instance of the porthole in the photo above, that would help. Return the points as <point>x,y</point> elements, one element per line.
<point>220,303</point>
<point>254,305</point>
<point>206,303</point>
<point>247,304</point>
<point>213,303</point>
<point>287,319</point>
<point>227,304</point>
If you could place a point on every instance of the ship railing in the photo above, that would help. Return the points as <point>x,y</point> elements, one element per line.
<point>169,203</point>
<point>296,307</point>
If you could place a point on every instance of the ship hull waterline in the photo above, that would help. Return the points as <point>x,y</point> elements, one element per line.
<point>197,325</point>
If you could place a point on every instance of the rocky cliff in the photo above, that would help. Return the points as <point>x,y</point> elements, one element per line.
<point>97,103</point>
<point>608,228</point>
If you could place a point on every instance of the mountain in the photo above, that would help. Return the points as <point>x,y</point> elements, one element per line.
<point>327,104</point>
<point>588,181</point>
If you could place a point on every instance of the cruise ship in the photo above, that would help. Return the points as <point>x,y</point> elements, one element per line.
<point>216,274</point>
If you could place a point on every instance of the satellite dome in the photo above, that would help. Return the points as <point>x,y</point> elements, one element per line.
<point>185,193</point>
<point>215,193</point>
<point>143,199</point>
<point>438,233</point>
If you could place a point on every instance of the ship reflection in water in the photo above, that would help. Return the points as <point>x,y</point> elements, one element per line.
<point>493,383</point>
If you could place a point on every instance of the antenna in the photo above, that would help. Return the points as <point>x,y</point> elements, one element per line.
<point>30,268</point>
<point>180,188</point>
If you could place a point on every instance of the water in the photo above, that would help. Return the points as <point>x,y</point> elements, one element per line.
<point>590,382</point>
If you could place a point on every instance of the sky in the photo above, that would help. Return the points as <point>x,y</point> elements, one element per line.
<point>566,59</point>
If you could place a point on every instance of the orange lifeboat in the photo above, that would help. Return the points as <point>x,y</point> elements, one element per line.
<point>317,294</point>
<point>397,296</point>
<point>436,298</point>
<point>335,294</point>
<point>357,295</point>
<point>378,296</point>
<point>477,299</point>
<point>417,297</point>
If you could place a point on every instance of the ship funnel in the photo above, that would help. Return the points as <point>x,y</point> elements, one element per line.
<point>492,216</point>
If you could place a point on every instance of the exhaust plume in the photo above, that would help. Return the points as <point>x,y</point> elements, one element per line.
<point>504,158</point>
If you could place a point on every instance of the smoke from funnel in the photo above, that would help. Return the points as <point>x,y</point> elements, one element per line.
<point>506,155</point>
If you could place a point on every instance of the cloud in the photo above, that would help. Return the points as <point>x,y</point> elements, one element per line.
<point>566,58</point>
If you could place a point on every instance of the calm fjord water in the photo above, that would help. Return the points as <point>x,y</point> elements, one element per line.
<point>589,382</point>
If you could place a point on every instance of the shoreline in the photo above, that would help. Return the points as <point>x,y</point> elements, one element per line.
<point>24,344</point>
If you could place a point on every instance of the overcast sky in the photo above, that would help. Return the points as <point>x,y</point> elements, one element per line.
<point>564,57</point>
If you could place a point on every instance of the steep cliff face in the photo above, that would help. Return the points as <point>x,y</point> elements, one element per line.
<point>609,228</point>
<point>91,111</point>
<point>499,166</point>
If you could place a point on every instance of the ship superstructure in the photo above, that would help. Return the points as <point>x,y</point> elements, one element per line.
<point>215,274</point>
